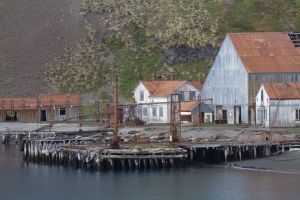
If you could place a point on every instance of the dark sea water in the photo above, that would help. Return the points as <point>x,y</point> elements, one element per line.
<point>19,180</point>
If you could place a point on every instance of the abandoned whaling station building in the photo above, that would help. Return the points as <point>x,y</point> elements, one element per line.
<point>243,63</point>
<point>278,105</point>
<point>189,112</point>
<point>153,98</point>
<point>44,108</point>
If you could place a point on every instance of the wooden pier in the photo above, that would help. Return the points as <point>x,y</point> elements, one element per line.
<point>91,152</point>
<point>100,156</point>
<point>216,153</point>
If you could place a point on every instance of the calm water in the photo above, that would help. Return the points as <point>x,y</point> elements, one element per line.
<point>38,182</point>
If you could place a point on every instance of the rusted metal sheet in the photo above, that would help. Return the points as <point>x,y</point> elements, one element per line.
<point>188,106</point>
<point>33,103</point>
<point>255,81</point>
<point>282,91</point>
<point>272,52</point>
<point>162,88</point>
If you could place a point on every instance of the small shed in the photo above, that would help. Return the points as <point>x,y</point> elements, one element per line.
<point>278,105</point>
<point>189,112</point>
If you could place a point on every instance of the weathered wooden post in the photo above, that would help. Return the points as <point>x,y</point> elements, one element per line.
<point>115,140</point>
<point>254,151</point>
<point>226,152</point>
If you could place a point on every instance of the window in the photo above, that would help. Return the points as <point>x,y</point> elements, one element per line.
<point>145,111</point>
<point>181,96</point>
<point>297,114</point>
<point>141,95</point>
<point>262,95</point>
<point>154,112</point>
<point>192,95</point>
<point>62,111</point>
<point>161,111</point>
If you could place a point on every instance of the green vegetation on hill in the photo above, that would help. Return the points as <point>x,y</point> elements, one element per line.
<point>263,15</point>
<point>163,39</point>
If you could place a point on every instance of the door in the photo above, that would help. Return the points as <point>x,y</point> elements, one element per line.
<point>11,116</point>
<point>43,115</point>
<point>224,116</point>
<point>219,113</point>
<point>237,115</point>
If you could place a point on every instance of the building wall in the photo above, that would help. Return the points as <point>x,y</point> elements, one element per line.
<point>53,114</point>
<point>140,87</point>
<point>145,110</point>
<point>27,116</point>
<point>262,108</point>
<point>146,113</point>
<point>276,113</point>
<point>256,80</point>
<point>286,115</point>
<point>227,83</point>
<point>186,89</point>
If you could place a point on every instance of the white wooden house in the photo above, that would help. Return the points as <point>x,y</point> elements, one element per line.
<point>153,98</point>
<point>278,105</point>
<point>244,62</point>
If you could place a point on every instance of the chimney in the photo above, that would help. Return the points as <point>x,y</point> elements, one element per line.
<point>153,77</point>
<point>201,78</point>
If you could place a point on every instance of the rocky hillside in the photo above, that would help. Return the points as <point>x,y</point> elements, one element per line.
<point>78,45</point>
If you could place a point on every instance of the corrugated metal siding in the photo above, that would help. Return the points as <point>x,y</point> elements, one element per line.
<point>227,82</point>
<point>255,81</point>
<point>286,116</point>
<point>266,52</point>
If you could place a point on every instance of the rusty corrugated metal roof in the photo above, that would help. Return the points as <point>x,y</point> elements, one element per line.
<point>282,90</point>
<point>162,88</point>
<point>187,106</point>
<point>266,52</point>
<point>31,103</point>
<point>197,84</point>
<point>166,88</point>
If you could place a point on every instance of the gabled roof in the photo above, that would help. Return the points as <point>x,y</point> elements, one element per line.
<point>188,106</point>
<point>162,88</point>
<point>266,52</point>
<point>197,84</point>
<point>281,91</point>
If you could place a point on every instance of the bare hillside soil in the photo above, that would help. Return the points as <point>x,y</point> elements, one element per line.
<point>33,33</point>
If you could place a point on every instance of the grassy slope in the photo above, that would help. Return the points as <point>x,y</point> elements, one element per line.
<point>35,32</point>
<point>243,15</point>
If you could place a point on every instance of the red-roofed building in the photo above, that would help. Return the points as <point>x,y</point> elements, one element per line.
<point>153,98</point>
<point>44,108</point>
<point>244,62</point>
<point>189,112</point>
<point>278,105</point>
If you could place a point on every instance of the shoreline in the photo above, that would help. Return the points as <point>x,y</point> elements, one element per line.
<point>250,168</point>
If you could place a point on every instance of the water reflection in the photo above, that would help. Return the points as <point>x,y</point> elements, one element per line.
<point>21,180</point>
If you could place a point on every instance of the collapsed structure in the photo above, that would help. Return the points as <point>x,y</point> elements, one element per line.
<point>44,108</point>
